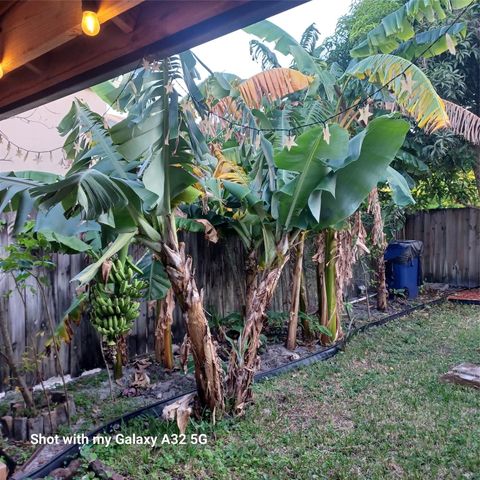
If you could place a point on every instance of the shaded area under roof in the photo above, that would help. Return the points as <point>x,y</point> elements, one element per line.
<point>45,56</point>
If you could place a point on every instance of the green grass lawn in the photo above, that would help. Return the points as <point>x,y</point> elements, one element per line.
<point>375,411</point>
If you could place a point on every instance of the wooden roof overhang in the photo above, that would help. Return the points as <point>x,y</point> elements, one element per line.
<point>45,56</point>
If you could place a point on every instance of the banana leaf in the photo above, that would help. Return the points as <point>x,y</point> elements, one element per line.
<point>88,273</point>
<point>155,276</point>
<point>401,193</point>
<point>422,103</point>
<point>372,151</point>
<point>398,26</point>
<point>313,158</point>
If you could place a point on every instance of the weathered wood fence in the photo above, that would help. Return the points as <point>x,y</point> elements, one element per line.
<point>451,240</point>
<point>219,272</point>
<point>452,255</point>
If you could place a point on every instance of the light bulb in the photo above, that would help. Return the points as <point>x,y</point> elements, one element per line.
<point>90,23</point>
<point>1,71</point>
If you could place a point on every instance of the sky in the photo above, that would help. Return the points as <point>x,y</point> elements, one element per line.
<point>230,52</point>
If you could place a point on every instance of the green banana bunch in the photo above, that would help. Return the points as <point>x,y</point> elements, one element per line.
<point>114,303</point>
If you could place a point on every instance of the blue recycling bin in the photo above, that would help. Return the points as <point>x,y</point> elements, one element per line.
<point>403,267</point>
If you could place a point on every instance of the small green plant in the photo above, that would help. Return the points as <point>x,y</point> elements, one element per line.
<point>348,307</point>
<point>27,259</point>
<point>229,326</point>
<point>399,292</point>
<point>87,453</point>
<point>315,325</point>
<point>276,319</point>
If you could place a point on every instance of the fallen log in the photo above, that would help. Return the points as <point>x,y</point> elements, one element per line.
<point>464,374</point>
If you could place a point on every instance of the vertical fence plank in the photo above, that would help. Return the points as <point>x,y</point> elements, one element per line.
<point>451,240</point>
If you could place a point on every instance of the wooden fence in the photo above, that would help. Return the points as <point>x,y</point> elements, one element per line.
<point>451,239</point>
<point>219,272</point>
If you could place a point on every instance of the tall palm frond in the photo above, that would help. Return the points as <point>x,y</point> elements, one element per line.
<point>309,38</point>
<point>398,26</point>
<point>463,122</point>
<point>261,53</point>
<point>408,84</point>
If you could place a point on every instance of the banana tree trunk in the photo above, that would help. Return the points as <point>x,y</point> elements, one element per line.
<point>319,259</point>
<point>307,330</point>
<point>382,291</point>
<point>10,358</point>
<point>329,314</point>
<point>330,284</point>
<point>163,331</point>
<point>378,239</point>
<point>291,343</point>
<point>208,372</point>
<point>244,360</point>
<point>118,365</point>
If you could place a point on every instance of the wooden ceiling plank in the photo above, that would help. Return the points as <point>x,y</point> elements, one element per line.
<point>33,28</point>
<point>156,20</point>
<point>5,6</point>
<point>110,9</point>
<point>126,23</point>
<point>33,68</point>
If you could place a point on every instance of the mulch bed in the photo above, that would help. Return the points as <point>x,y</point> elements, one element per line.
<point>471,296</point>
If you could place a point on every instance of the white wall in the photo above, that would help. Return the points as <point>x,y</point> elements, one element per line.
<point>37,130</point>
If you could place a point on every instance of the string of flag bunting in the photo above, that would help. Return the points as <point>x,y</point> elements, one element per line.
<point>13,152</point>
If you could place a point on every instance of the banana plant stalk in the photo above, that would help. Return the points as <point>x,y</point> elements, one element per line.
<point>306,327</point>
<point>163,331</point>
<point>208,371</point>
<point>321,290</point>
<point>296,287</point>
<point>379,243</point>
<point>244,360</point>
<point>118,365</point>
<point>179,268</point>
<point>330,314</point>
<point>382,291</point>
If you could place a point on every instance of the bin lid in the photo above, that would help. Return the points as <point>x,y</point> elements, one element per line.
<point>403,251</point>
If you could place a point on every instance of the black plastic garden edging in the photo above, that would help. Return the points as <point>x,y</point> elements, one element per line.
<point>155,410</point>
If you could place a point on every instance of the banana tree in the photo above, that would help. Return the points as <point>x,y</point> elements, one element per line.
<point>326,96</point>
<point>130,178</point>
<point>318,184</point>
<point>386,52</point>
